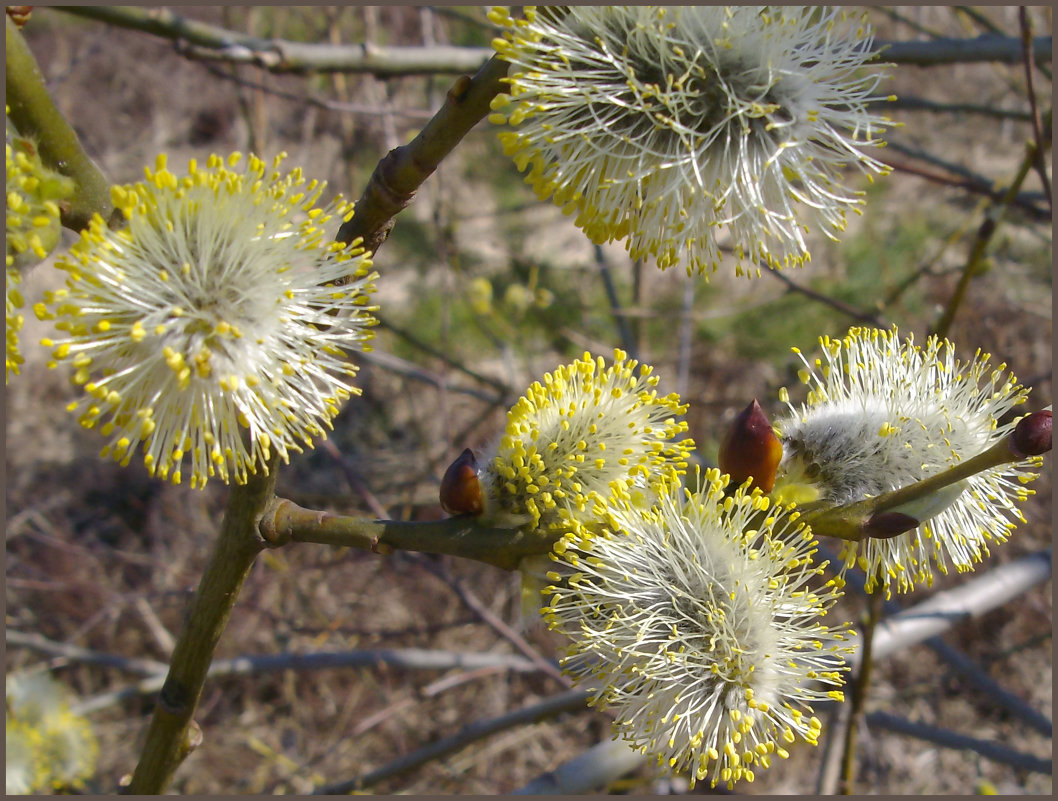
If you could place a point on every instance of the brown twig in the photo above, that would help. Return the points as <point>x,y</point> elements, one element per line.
<point>859,692</point>
<point>1042,146</point>
<point>252,664</point>
<point>568,701</point>
<point>499,626</point>
<point>826,300</point>
<point>201,40</point>
<point>972,182</point>
<point>987,229</point>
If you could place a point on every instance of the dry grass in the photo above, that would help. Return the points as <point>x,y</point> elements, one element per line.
<point>106,558</point>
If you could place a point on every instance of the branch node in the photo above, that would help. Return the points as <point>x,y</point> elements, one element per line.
<point>459,89</point>
<point>381,548</point>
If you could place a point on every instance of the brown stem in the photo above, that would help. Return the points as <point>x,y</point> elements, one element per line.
<point>859,693</point>
<point>172,734</point>
<point>984,235</point>
<point>1040,163</point>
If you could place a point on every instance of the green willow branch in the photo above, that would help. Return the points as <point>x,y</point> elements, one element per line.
<point>35,116</point>
<point>880,516</point>
<point>404,169</point>
<point>984,235</point>
<point>285,521</point>
<point>172,734</point>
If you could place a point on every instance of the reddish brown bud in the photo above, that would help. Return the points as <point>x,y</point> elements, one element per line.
<point>889,524</point>
<point>460,488</point>
<point>1032,434</point>
<point>19,14</point>
<point>751,449</point>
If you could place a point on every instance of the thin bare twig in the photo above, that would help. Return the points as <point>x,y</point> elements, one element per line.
<point>997,752</point>
<point>597,767</point>
<point>987,229</point>
<point>395,364</point>
<point>404,658</point>
<point>860,688</point>
<point>826,300</point>
<point>616,310</point>
<point>973,182</point>
<point>987,686</point>
<point>568,701</point>
<point>278,55</point>
<point>1042,147</point>
<point>202,40</point>
<point>1002,49</point>
<point>499,626</point>
<point>982,21</point>
<point>914,25</point>
<point>75,653</point>
<point>912,103</point>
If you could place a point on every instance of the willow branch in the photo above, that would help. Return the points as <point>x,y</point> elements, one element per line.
<point>496,623</point>
<point>979,677</point>
<point>279,55</point>
<point>997,752</point>
<point>285,521</point>
<point>562,702</point>
<point>881,516</point>
<point>860,688</point>
<point>599,766</point>
<point>1002,49</point>
<point>201,40</point>
<point>973,182</point>
<point>402,658</point>
<point>404,169</point>
<point>1042,146</point>
<point>172,734</point>
<point>35,115</point>
<point>985,231</point>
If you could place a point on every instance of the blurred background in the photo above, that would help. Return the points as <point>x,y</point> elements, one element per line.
<point>483,289</point>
